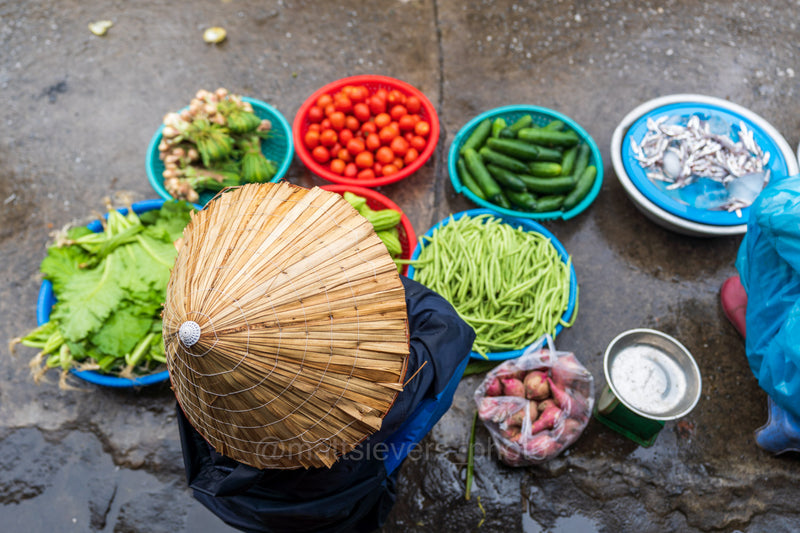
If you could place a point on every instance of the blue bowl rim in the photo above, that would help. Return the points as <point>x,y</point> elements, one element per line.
<point>638,177</point>
<point>157,181</point>
<point>464,132</point>
<point>46,299</point>
<point>529,225</point>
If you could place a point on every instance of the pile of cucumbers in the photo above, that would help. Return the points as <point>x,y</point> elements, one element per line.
<point>526,167</point>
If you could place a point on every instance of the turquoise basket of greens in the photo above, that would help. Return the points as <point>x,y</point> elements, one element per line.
<point>278,147</point>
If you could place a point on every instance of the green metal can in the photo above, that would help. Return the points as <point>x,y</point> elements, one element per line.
<point>651,378</point>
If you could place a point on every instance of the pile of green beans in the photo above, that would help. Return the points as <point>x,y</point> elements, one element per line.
<point>510,285</point>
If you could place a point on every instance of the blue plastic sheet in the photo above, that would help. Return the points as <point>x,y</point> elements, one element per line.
<point>769,267</point>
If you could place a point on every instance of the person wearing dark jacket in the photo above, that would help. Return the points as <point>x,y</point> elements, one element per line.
<point>357,492</point>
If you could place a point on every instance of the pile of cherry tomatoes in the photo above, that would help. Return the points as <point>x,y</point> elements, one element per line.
<point>361,135</point>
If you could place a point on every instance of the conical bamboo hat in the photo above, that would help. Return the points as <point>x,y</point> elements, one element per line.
<point>285,326</point>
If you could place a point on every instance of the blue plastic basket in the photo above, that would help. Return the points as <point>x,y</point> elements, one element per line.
<point>541,116</point>
<point>686,202</point>
<point>278,147</point>
<point>47,298</point>
<point>528,225</point>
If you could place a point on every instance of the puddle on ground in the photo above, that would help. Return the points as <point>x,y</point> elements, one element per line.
<point>576,523</point>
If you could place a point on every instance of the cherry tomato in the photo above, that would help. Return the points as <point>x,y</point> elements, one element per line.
<point>408,136</point>
<point>388,133</point>
<point>311,139</point>
<point>344,155</point>
<point>382,120</point>
<point>366,174</point>
<point>364,159</point>
<point>324,100</point>
<point>382,93</point>
<point>337,120</point>
<point>359,93</point>
<point>384,154</point>
<point>336,148</point>
<point>328,138</point>
<point>423,129</point>
<point>325,124</point>
<point>314,127</point>
<point>355,146</point>
<point>343,103</point>
<point>378,168</point>
<point>413,104</point>
<point>320,154</point>
<point>352,123</point>
<point>395,96</point>
<point>345,136</point>
<point>329,110</point>
<point>399,146</point>
<point>388,170</point>
<point>315,114</point>
<point>376,104</point>
<point>411,156</point>
<point>369,127</point>
<point>337,166</point>
<point>373,142</point>
<point>419,142</point>
<point>398,163</point>
<point>398,111</point>
<point>350,170</point>
<point>406,122</point>
<point>361,111</point>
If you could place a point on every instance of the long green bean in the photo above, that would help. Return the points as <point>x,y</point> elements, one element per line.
<point>509,284</point>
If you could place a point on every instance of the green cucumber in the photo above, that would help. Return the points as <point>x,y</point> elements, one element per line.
<point>568,160</point>
<point>514,148</point>
<point>478,137</point>
<point>557,185</point>
<point>544,169</point>
<point>555,125</point>
<point>552,202</point>
<point>502,160</point>
<point>581,160</point>
<point>582,188</point>
<point>482,177</point>
<point>467,179</point>
<point>549,153</point>
<point>511,131</point>
<point>525,200</point>
<point>549,137</point>
<point>507,179</point>
<point>497,126</point>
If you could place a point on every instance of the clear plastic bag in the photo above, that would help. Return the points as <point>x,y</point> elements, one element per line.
<point>537,405</point>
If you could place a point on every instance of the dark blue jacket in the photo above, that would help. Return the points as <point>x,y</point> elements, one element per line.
<point>358,491</point>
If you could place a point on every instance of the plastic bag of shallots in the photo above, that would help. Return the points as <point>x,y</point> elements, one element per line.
<point>536,405</point>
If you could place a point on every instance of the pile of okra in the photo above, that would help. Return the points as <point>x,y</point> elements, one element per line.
<point>525,167</point>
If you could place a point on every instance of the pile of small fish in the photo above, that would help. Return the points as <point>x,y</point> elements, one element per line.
<point>679,154</point>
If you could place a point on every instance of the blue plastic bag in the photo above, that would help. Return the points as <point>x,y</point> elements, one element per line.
<point>769,267</point>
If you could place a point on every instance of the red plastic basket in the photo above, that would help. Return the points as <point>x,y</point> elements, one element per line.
<point>372,83</point>
<point>375,200</point>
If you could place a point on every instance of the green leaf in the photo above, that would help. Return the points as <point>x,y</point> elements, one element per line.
<point>88,298</point>
<point>61,263</point>
<point>168,222</point>
<point>123,329</point>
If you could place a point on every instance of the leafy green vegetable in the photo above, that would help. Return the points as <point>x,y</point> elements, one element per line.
<point>109,288</point>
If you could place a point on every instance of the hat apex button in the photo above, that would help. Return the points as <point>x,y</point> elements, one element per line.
<point>189,333</point>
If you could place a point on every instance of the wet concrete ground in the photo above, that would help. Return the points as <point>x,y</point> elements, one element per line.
<point>80,110</point>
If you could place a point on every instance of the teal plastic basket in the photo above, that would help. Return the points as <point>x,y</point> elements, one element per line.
<point>541,116</point>
<point>278,148</point>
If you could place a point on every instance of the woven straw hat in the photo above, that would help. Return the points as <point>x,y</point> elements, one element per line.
<point>285,326</point>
